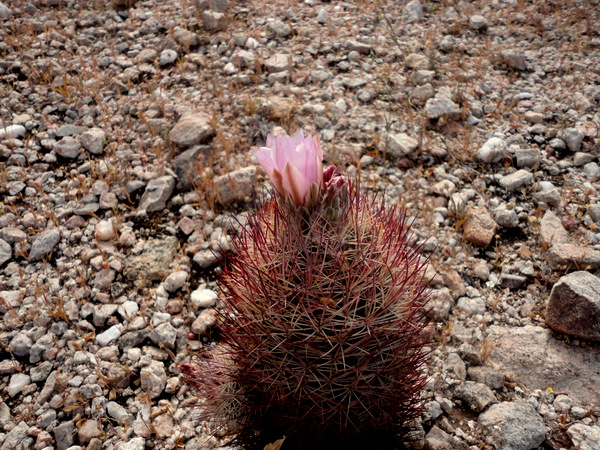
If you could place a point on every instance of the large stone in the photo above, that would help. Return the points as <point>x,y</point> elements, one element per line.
<point>574,305</point>
<point>477,395</point>
<point>11,131</point>
<point>93,140</point>
<point>513,426</point>
<point>479,227</point>
<point>17,438</point>
<point>584,437</point>
<point>413,11</point>
<point>191,130</point>
<point>278,62</point>
<point>515,59</point>
<point>551,230</point>
<point>546,362</point>
<point>43,244</point>
<point>152,261</point>
<point>493,150</point>
<point>399,145</point>
<point>573,138</point>
<point>5,251</point>
<point>153,378</point>
<point>573,256</point>
<point>441,107</point>
<point>235,186</point>
<point>64,434</point>
<point>157,194</point>
<point>68,147</point>
<point>516,180</point>
<point>186,166</point>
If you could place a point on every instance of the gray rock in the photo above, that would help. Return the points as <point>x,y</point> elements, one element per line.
<point>137,443</point>
<point>17,438</point>
<point>5,11</point>
<point>528,159</point>
<point>186,165</point>
<point>278,62</point>
<point>594,212</point>
<point>205,320</point>
<point>43,244</point>
<point>322,16</point>
<point>514,59</point>
<point>512,281</point>
<point>207,257</point>
<point>11,131</point>
<point>164,335</point>
<point>93,140</point>
<point>562,404</point>
<point>584,437</point>
<point>279,28</point>
<point>516,180</point>
<point>399,145</point>
<point>191,130</point>
<point>118,412</point>
<point>581,159</point>
<point>573,138</point>
<point>243,58</point>
<point>175,281</point>
<point>558,144</point>
<point>5,251</point>
<point>235,186</point>
<point>167,57</point>
<point>489,376</point>
<point>68,147</point>
<point>493,150</point>
<point>204,298</point>
<point>550,196</point>
<point>107,337</point>
<point>214,21</point>
<point>573,257</point>
<point>477,22</point>
<point>457,366</point>
<point>153,378</point>
<point>153,260</point>
<point>546,361</point>
<point>513,426</point>
<point>552,231</point>
<point>413,11</point>
<point>17,382</point>
<point>185,38</point>
<point>506,218</point>
<point>157,194</point>
<point>437,439</point>
<point>591,171</point>
<point>44,343</point>
<point>574,305</point>
<point>471,306</point>
<point>417,61</point>
<point>478,396</point>
<point>439,107</point>
<point>64,434</point>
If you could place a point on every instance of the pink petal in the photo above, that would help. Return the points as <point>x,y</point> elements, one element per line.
<point>295,184</point>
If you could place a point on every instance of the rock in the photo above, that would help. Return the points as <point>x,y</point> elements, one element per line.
<point>573,138</point>
<point>157,194</point>
<point>471,306</point>
<point>107,337</point>
<point>477,22</point>
<point>93,140</point>
<point>153,261</point>
<point>118,412</point>
<point>493,150</point>
<point>5,251</point>
<point>163,426</point>
<point>437,439</point>
<point>17,382</point>
<point>207,257</point>
<point>442,106</point>
<point>185,38</point>
<point>243,58</point>
<point>167,57</point>
<point>191,130</point>
<point>153,378</point>
<point>186,166</point>
<point>574,305</point>
<point>546,361</point>
<point>204,298</point>
<point>581,159</point>
<point>205,320</point>
<point>514,59</point>
<point>417,61</point>
<point>552,231</point>
<point>64,434</point>
<point>175,281</point>
<point>399,145</point>
<point>562,404</point>
<point>445,188</point>
<point>278,62</point>
<point>11,131</point>
<point>106,230</point>
<point>279,28</point>
<point>591,171</point>
<point>479,227</point>
<point>573,257</point>
<point>322,16</point>
<point>277,108</point>
<point>235,186</point>
<point>584,437</point>
<point>506,218</point>
<point>516,180</point>
<point>17,438</point>
<point>43,244</point>
<point>513,425</point>
<point>137,443</point>
<point>457,366</point>
<point>478,396</point>
<point>214,21</point>
<point>512,281</point>
<point>413,11</point>
<point>164,335</point>
<point>489,376</point>
<point>68,147</point>
<point>89,430</point>
<point>528,159</point>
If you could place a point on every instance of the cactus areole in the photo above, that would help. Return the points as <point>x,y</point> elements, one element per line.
<point>323,320</point>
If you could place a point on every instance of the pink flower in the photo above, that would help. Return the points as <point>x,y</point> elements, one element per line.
<point>294,165</point>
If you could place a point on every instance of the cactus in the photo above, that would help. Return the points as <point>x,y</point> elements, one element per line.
<point>322,326</point>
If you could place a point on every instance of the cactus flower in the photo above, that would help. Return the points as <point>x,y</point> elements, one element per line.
<point>293,164</point>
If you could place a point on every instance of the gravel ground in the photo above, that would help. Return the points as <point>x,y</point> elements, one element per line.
<point>124,154</point>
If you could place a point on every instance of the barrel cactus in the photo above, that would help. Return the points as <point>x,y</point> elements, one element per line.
<point>322,330</point>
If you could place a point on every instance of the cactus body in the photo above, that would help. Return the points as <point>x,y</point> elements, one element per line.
<point>322,327</point>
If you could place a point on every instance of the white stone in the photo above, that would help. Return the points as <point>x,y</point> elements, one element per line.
<point>204,298</point>
<point>11,131</point>
<point>109,335</point>
<point>492,150</point>
<point>175,281</point>
<point>105,230</point>
<point>17,382</point>
<point>128,309</point>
